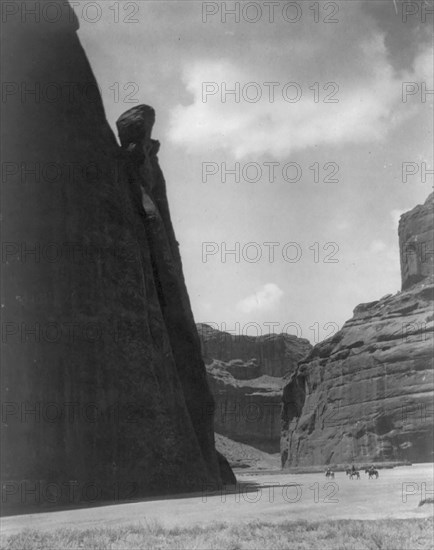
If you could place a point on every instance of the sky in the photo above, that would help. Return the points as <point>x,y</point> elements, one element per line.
<point>286,193</point>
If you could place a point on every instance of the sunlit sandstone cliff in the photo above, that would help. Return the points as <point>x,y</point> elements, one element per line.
<point>416,237</point>
<point>367,392</point>
<point>104,389</point>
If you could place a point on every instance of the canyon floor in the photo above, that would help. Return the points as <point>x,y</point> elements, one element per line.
<point>271,497</point>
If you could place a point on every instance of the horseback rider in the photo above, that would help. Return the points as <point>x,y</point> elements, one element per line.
<point>353,469</point>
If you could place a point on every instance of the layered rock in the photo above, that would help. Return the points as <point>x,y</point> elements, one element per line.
<point>245,374</point>
<point>276,354</point>
<point>416,237</point>
<point>367,392</point>
<point>103,384</point>
<point>247,411</point>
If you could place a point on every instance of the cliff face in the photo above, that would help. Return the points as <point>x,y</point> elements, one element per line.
<point>103,384</point>
<point>366,393</point>
<point>275,354</point>
<point>416,238</point>
<point>245,374</point>
<point>247,411</point>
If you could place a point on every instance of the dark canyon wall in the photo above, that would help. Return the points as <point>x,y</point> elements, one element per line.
<point>367,392</point>
<point>103,384</point>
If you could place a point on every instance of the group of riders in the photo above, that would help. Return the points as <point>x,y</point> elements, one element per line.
<point>353,472</point>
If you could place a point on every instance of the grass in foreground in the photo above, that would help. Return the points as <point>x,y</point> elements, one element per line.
<point>412,534</point>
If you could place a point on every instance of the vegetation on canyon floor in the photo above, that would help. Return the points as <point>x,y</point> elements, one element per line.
<point>382,534</point>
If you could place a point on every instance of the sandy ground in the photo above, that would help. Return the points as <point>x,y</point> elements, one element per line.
<point>268,497</point>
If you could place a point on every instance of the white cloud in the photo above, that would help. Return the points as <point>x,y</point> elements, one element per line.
<point>264,299</point>
<point>370,104</point>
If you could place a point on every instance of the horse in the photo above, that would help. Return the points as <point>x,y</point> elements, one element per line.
<point>352,473</point>
<point>330,474</point>
<point>371,473</point>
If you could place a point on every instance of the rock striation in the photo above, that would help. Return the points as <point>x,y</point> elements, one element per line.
<point>247,411</point>
<point>367,392</point>
<point>245,374</point>
<point>273,354</point>
<point>103,385</point>
<point>416,238</point>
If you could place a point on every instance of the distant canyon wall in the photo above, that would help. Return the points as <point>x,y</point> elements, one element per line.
<point>274,354</point>
<point>245,374</point>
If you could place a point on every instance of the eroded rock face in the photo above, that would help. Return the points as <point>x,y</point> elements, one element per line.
<point>247,395</point>
<point>103,383</point>
<point>276,354</point>
<point>247,411</point>
<point>416,237</point>
<point>366,393</point>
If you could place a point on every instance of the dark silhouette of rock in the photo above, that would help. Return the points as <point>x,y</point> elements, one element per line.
<point>103,386</point>
<point>247,395</point>
<point>366,393</point>
<point>135,126</point>
<point>225,469</point>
